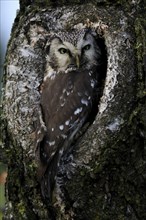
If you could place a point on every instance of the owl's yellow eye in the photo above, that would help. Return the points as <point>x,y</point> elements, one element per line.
<point>87,47</point>
<point>62,50</point>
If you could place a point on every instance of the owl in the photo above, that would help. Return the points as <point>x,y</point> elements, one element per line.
<point>69,98</point>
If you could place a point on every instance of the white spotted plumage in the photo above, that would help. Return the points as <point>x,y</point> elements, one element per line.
<point>61,127</point>
<point>84,102</point>
<point>78,111</point>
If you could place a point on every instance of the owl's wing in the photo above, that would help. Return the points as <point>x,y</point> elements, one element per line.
<point>47,164</point>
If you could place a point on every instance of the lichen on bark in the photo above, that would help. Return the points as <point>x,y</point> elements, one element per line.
<point>104,179</point>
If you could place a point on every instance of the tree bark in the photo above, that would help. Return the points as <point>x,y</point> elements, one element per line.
<point>105,179</point>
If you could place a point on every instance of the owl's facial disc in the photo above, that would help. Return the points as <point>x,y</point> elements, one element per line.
<point>64,54</point>
<point>67,56</point>
<point>90,52</point>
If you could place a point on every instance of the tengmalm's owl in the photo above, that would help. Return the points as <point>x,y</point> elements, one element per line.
<point>69,97</point>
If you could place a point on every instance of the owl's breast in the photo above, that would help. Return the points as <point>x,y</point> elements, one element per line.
<point>67,102</point>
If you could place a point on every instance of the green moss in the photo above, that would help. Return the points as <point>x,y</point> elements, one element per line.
<point>21,208</point>
<point>140,30</point>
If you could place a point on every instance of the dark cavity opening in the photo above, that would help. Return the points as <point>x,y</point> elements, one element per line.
<point>101,78</point>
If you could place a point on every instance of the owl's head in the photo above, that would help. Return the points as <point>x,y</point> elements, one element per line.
<point>73,50</point>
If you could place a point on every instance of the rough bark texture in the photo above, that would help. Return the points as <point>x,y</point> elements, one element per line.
<point>106,178</point>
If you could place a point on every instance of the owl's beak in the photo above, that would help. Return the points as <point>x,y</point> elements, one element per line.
<point>77,61</point>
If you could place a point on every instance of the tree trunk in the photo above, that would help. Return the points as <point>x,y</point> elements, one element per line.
<point>106,178</point>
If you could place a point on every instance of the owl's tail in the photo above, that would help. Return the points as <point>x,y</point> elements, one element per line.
<point>48,179</point>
